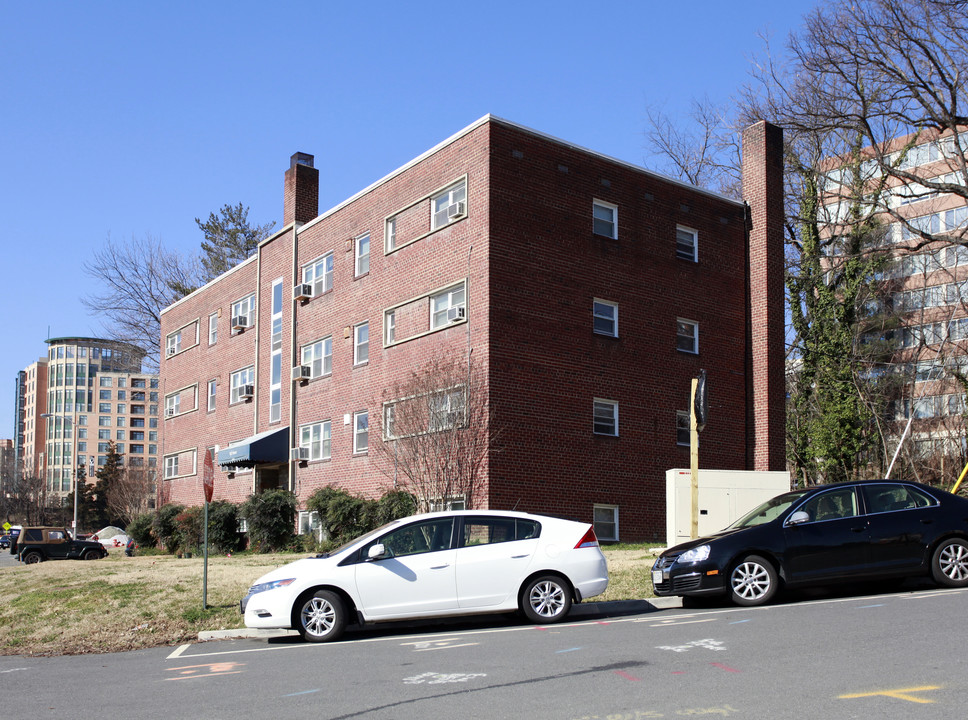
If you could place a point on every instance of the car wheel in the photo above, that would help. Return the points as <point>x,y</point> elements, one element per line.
<point>91,555</point>
<point>949,566</point>
<point>546,599</point>
<point>322,617</point>
<point>32,557</point>
<point>753,581</point>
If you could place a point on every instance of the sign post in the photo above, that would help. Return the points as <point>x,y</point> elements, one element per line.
<point>208,483</point>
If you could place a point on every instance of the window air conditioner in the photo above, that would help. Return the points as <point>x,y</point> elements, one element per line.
<point>303,291</point>
<point>169,412</point>
<point>455,211</point>
<point>455,314</point>
<point>172,350</point>
<point>240,323</point>
<point>302,372</point>
<point>300,454</point>
<point>247,391</point>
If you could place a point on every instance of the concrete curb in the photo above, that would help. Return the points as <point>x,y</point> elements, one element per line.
<point>578,612</point>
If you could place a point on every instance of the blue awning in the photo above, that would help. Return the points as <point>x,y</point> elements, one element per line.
<point>270,447</point>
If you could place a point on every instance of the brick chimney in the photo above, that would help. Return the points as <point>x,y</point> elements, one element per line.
<point>766,389</point>
<point>301,196</point>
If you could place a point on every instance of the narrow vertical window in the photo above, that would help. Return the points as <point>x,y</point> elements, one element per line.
<point>605,219</point>
<point>361,343</point>
<point>361,432</point>
<point>362,255</point>
<point>605,316</point>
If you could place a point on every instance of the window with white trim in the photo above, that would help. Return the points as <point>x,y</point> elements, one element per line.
<point>211,395</point>
<point>605,522</point>
<point>275,360</point>
<point>319,274</point>
<point>605,317</point>
<point>605,219</point>
<point>361,431</point>
<point>390,326</point>
<point>687,336</point>
<point>317,438</point>
<point>213,328</point>
<point>173,404</point>
<point>362,254</point>
<point>445,410</point>
<point>391,234</point>
<point>319,357</point>
<point>687,243</point>
<point>448,206</point>
<point>243,313</point>
<point>605,417</point>
<point>239,380</point>
<point>447,307</point>
<point>361,343</point>
<point>309,524</point>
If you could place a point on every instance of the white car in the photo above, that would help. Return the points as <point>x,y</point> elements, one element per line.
<point>448,563</point>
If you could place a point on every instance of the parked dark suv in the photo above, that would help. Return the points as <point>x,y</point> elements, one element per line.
<point>36,544</point>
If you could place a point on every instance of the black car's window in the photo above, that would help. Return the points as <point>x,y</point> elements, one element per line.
<point>831,505</point>
<point>887,498</point>
<point>33,535</point>
<point>770,510</point>
<point>422,537</point>
<point>488,530</point>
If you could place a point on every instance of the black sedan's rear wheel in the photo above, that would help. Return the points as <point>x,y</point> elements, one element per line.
<point>949,565</point>
<point>753,581</point>
<point>322,617</point>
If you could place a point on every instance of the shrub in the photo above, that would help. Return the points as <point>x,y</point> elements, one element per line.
<point>190,528</point>
<point>141,530</point>
<point>345,516</point>
<point>393,505</point>
<point>164,526</point>
<point>223,526</point>
<point>271,516</point>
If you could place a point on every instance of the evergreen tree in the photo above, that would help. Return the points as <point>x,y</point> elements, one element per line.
<point>229,239</point>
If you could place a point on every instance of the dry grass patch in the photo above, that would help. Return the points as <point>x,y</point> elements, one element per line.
<point>120,603</point>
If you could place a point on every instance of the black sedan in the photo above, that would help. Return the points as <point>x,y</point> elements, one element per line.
<point>823,535</point>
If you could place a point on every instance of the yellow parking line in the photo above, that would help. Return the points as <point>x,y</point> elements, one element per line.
<point>899,694</point>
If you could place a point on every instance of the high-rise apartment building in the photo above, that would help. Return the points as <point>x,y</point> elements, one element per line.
<point>586,291</point>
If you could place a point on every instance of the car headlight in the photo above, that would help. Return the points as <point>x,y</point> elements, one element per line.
<point>697,554</point>
<point>262,587</point>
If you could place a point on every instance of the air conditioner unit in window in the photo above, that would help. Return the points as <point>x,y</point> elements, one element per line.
<point>455,211</point>
<point>240,323</point>
<point>246,391</point>
<point>169,412</point>
<point>302,372</point>
<point>172,350</point>
<point>300,454</point>
<point>455,314</point>
<point>303,291</point>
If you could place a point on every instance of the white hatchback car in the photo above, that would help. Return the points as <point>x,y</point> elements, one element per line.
<point>448,563</point>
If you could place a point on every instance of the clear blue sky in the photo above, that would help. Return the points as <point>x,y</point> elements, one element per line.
<point>131,118</point>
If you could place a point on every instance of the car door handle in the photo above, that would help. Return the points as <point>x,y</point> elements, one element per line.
<point>926,521</point>
<point>518,557</point>
<point>858,529</point>
<point>440,567</point>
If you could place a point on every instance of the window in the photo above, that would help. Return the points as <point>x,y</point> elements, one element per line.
<point>240,379</point>
<point>490,530</point>
<point>445,410</point>
<point>447,307</point>
<point>171,466</point>
<point>605,420</point>
<point>172,405</point>
<point>243,313</point>
<point>275,362</point>
<point>316,437</point>
<point>391,234</point>
<point>361,431</point>
<point>173,343</point>
<point>362,266</point>
<point>605,522</point>
<point>319,274</point>
<point>833,505</point>
<point>687,336</point>
<point>683,433</point>
<point>390,326</point>
<point>361,343</point>
<point>213,328</point>
<point>605,219</point>
<point>448,206</point>
<point>211,395</point>
<point>319,357</point>
<point>605,318</point>
<point>309,524</point>
<point>687,242</point>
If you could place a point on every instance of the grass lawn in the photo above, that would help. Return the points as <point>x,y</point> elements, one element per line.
<point>121,603</point>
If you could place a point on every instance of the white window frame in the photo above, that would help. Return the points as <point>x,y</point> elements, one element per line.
<point>319,274</point>
<point>213,328</point>
<point>239,379</point>
<point>390,234</point>
<point>244,307</point>
<point>441,202</point>
<point>212,389</point>
<point>598,313</point>
<point>692,338</point>
<point>361,347</point>
<point>320,352</point>
<point>361,255</point>
<point>309,524</point>
<point>318,438</point>
<point>683,232</point>
<point>614,510</point>
<point>612,209</point>
<point>173,404</point>
<point>599,407</point>
<point>441,302</point>
<point>361,419</point>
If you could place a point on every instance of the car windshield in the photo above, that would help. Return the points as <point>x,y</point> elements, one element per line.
<point>770,510</point>
<point>358,539</point>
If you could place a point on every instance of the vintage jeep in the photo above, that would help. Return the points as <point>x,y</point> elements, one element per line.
<point>36,544</point>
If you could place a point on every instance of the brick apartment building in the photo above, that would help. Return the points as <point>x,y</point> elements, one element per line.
<point>588,291</point>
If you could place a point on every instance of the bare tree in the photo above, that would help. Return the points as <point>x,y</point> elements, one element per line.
<point>132,493</point>
<point>139,278</point>
<point>436,433</point>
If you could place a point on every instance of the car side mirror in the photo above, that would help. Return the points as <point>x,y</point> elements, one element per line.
<point>798,518</point>
<point>376,552</point>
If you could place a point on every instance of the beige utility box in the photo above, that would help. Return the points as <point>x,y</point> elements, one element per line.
<point>724,497</point>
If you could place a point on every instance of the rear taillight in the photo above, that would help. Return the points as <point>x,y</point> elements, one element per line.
<point>589,539</point>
